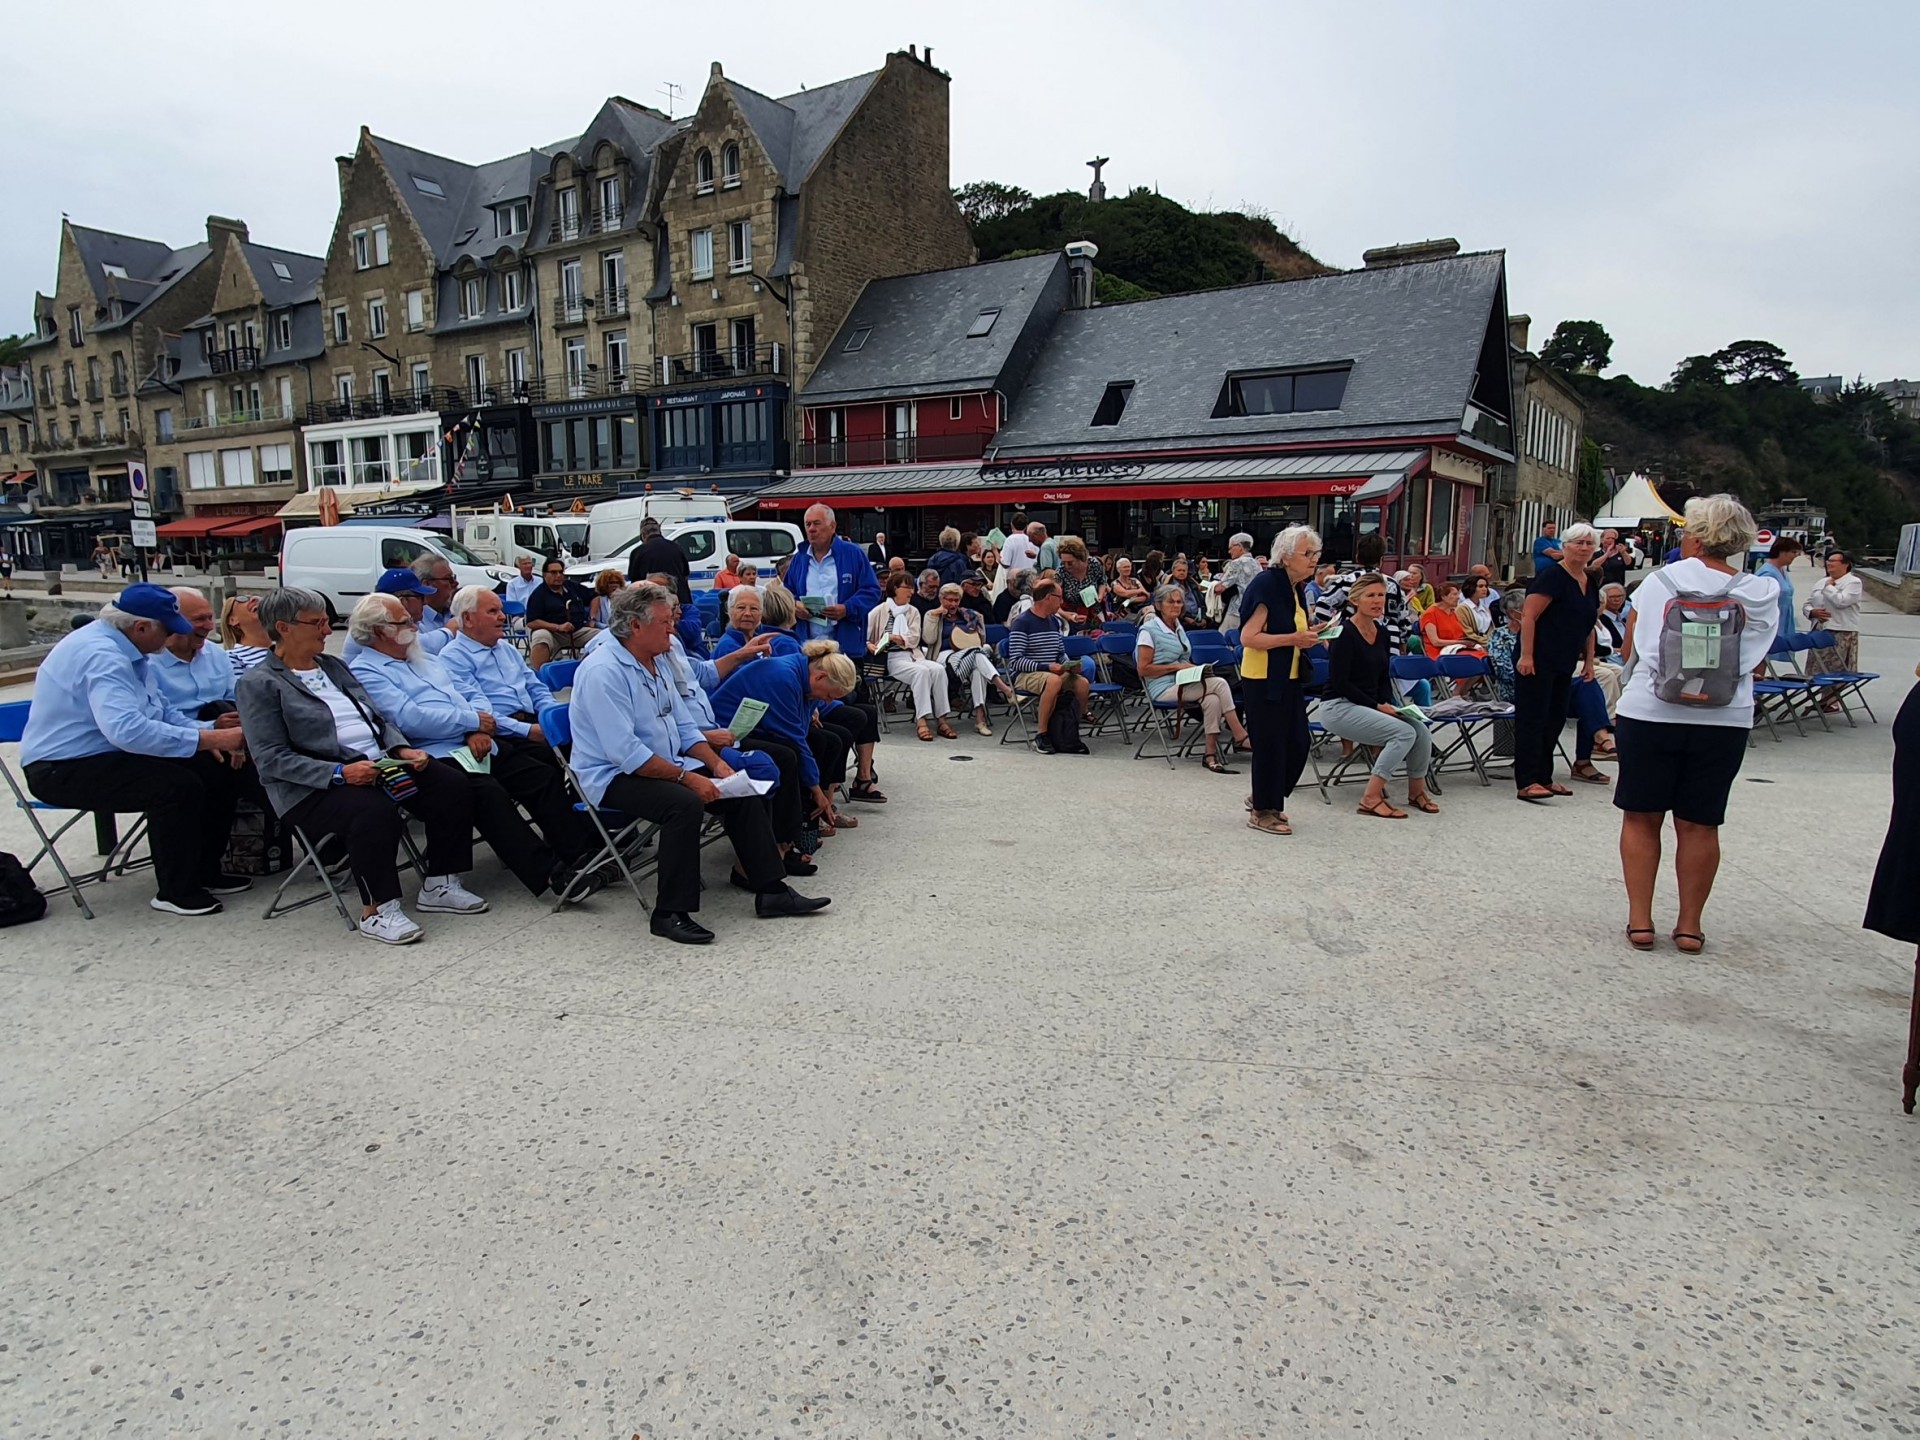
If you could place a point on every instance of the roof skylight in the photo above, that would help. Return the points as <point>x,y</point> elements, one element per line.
<point>119,272</point>
<point>428,187</point>
<point>280,269</point>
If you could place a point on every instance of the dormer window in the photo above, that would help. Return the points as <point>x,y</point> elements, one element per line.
<point>703,173</point>
<point>1287,392</point>
<point>730,165</point>
<point>610,207</point>
<point>510,219</point>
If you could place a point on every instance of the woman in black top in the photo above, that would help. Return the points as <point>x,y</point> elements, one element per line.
<point>1556,634</point>
<point>1274,673</point>
<point>1359,703</point>
<point>1893,908</point>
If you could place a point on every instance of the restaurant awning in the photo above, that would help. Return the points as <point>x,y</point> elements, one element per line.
<point>194,527</point>
<point>251,525</point>
<point>306,506</point>
<point>1324,473</point>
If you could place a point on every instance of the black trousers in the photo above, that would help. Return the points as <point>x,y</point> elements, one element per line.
<point>785,804</point>
<point>527,770</point>
<point>839,731</point>
<point>188,804</point>
<point>1278,729</point>
<point>1539,714</point>
<point>368,824</point>
<point>505,829</point>
<point>679,813</point>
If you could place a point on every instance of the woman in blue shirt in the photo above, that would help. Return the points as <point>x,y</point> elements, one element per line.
<point>1165,651</point>
<point>790,686</point>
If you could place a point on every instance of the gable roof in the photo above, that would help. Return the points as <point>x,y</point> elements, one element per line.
<point>1413,335</point>
<point>917,341</point>
<point>637,130</point>
<point>457,220</point>
<point>796,129</point>
<point>303,272</point>
<point>141,259</point>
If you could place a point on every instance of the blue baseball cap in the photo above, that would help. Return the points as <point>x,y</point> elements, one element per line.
<point>401,581</point>
<point>156,603</point>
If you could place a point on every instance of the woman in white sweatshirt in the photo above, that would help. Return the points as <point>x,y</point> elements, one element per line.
<point>1834,605</point>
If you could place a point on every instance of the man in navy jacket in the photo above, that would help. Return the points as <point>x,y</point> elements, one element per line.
<point>836,572</point>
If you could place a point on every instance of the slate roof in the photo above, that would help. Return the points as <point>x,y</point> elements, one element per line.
<point>278,294</point>
<point>796,129</point>
<point>1413,335</point>
<point>458,221</point>
<point>918,344</point>
<point>636,130</point>
<point>152,269</point>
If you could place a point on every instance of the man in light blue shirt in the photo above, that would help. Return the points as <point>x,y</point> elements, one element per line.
<point>412,592</point>
<point>523,584</point>
<point>435,574</point>
<point>446,718</point>
<point>638,749</point>
<point>191,673</point>
<point>101,737</point>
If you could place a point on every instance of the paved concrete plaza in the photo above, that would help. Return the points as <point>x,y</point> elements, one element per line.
<point>1085,1111</point>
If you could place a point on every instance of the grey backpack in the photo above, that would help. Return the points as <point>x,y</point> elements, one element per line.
<point>1697,657</point>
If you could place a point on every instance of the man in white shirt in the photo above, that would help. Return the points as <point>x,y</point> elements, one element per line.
<point>523,584</point>
<point>1021,551</point>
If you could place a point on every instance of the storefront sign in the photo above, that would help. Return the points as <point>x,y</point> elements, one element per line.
<point>408,509</point>
<point>1081,470</point>
<point>607,405</point>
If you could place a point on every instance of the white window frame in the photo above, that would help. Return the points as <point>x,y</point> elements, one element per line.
<point>422,379</point>
<point>476,371</point>
<point>703,173</point>
<point>616,344</point>
<point>512,288</point>
<point>573,282</point>
<point>382,385</point>
<point>739,247</point>
<point>516,367</point>
<point>568,203</point>
<point>283,331</point>
<point>376,319</point>
<point>730,165</point>
<point>381,251</point>
<point>698,241</point>
<point>473,297</point>
<point>236,467</point>
<point>343,389</point>
<point>575,359</point>
<point>955,406</point>
<point>203,473</point>
<point>282,454</point>
<point>362,252</point>
<point>416,309</point>
<point>339,331</point>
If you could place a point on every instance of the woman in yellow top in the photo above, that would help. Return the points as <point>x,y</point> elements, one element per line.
<point>1275,673</point>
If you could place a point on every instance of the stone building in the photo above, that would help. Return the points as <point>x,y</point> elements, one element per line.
<point>1543,482</point>
<point>96,338</point>
<point>225,402</point>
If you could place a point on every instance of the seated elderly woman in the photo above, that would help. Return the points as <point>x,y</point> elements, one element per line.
<point>1359,704</point>
<point>1587,701</point>
<point>323,753</point>
<point>753,612</point>
<point>1128,595</point>
<point>1165,651</point>
<point>957,637</point>
<point>1193,604</point>
<point>605,585</point>
<point>1013,596</point>
<point>894,630</point>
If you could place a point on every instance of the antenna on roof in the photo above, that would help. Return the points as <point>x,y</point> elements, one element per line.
<point>672,92</point>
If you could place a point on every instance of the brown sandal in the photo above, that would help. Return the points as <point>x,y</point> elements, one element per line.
<point>1590,775</point>
<point>1381,810</point>
<point>920,729</point>
<point>947,732</point>
<point>1269,821</point>
<point>1424,804</point>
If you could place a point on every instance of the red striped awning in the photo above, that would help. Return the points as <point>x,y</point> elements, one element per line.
<point>191,528</point>
<point>251,525</point>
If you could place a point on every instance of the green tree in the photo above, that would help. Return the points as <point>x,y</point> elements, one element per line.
<point>983,200</point>
<point>1578,347</point>
<point>1745,360</point>
<point>13,349</point>
<point>1697,370</point>
<point>1592,478</point>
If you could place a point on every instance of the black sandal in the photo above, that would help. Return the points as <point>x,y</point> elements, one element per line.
<point>1212,762</point>
<point>868,791</point>
<point>1636,930</point>
<point>1699,942</point>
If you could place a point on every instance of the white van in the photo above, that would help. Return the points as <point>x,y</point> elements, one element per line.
<point>501,539</point>
<point>343,562</point>
<point>707,544</point>
<point>613,524</point>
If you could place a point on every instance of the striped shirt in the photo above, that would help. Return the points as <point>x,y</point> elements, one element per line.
<point>1034,643</point>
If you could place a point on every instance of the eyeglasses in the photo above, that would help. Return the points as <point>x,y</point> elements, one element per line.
<point>320,621</point>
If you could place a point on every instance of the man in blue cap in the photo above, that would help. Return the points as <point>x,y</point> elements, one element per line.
<point>413,593</point>
<point>100,737</point>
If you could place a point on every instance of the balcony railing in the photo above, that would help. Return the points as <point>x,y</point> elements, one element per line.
<point>564,227</point>
<point>70,393</point>
<point>892,450</point>
<point>613,301</point>
<point>602,222</point>
<point>724,363</point>
<point>251,415</point>
<point>128,439</point>
<point>234,360</point>
<point>399,402</point>
<point>573,309</point>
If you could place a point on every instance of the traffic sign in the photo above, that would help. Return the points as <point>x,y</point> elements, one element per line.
<point>143,534</point>
<point>137,479</point>
<point>142,509</point>
<point>1763,537</point>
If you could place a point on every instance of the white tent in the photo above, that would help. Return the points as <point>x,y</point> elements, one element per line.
<point>1636,503</point>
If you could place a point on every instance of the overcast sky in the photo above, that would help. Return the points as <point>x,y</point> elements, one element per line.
<point>1688,173</point>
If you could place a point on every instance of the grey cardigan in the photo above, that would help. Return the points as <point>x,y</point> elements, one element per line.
<point>290,731</point>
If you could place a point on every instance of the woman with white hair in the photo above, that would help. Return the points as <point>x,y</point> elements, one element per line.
<point>1556,635</point>
<point>957,638</point>
<point>1163,652</point>
<point>949,562</point>
<point>1700,630</point>
<point>1274,673</point>
<point>1235,576</point>
<point>894,630</point>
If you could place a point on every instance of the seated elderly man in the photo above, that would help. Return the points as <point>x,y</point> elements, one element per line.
<point>638,749</point>
<point>101,737</point>
<point>323,747</point>
<point>418,695</point>
<point>1037,656</point>
<point>194,676</point>
<point>435,574</point>
<point>412,593</point>
<point>524,582</point>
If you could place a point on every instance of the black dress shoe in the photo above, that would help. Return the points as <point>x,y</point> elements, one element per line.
<point>740,882</point>
<point>785,902</point>
<point>679,928</point>
<point>798,864</point>
<point>582,884</point>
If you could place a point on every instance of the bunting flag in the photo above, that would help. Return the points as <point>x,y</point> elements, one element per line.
<point>468,448</point>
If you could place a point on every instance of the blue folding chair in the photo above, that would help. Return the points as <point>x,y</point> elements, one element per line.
<point>620,835</point>
<point>557,675</point>
<point>1839,684</point>
<point>1477,671</point>
<point>516,633</point>
<point>1105,697</point>
<point>13,725</point>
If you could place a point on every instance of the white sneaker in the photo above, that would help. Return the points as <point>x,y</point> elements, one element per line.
<point>446,894</point>
<point>390,925</point>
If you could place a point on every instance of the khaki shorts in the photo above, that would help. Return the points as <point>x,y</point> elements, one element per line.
<point>1032,682</point>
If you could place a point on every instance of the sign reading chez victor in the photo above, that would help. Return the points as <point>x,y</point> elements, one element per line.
<point>1064,470</point>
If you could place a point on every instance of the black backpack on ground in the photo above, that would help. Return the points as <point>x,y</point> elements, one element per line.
<point>20,898</point>
<point>1063,728</point>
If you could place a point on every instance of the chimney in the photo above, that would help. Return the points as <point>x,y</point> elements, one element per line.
<point>343,168</point>
<point>1517,328</point>
<point>1413,254</point>
<point>1080,257</point>
<point>218,225</point>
